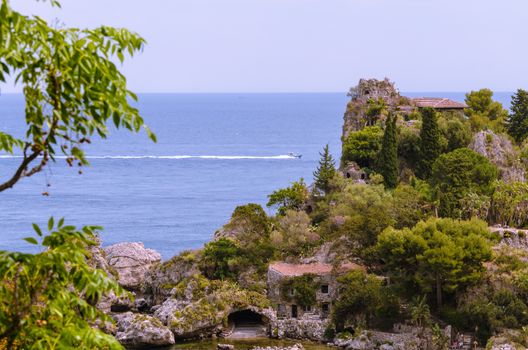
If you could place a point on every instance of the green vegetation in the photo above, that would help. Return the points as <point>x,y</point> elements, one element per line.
<point>293,197</point>
<point>300,289</point>
<point>509,204</point>
<point>47,299</point>
<point>217,257</point>
<point>456,176</point>
<point>362,298</point>
<point>365,211</point>
<point>484,112</point>
<point>71,85</point>
<point>375,109</point>
<point>362,147</point>
<point>429,142</point>
<point>72,91</point>
<point>501,300</point>
<point>424,241</point>
<point>455,133</point>
<point>518,120</point>
<point>409,146</point>
<point>294,234</point>
<point>438,255</point>
<point>388,156</point>
<point>250,229</point>
<point>325,172</point>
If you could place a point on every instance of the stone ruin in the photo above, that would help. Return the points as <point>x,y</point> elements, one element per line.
<point>354,172</point>
<point>374,89</point>
<point>367,90</point>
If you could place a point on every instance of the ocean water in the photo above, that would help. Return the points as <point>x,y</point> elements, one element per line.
<point>214,152</point>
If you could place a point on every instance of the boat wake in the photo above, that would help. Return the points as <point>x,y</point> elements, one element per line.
<point>282,156</point>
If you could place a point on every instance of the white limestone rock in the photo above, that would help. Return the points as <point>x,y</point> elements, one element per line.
<point>131,261</point>
<point>142,330</point>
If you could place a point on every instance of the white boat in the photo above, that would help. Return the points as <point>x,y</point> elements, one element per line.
<point>295,155</point>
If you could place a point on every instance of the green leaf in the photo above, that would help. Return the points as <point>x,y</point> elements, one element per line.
<point>151,135</point>
<point>50,224</point>
<point>31,240</point>
<point>37,230</point>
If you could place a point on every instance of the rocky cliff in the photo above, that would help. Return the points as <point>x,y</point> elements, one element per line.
<point>501,152</point>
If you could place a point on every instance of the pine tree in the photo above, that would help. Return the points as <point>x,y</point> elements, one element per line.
<point>324,172</point>
<point>388,156</point>
<point>518,119</point>
<point>429,142</point>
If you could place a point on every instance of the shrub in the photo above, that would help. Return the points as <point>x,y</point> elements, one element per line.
<point>301,289</point>
<point>218,257</point>
<point>362,146</point>
<point>289,198</point>
<point>458,173</point>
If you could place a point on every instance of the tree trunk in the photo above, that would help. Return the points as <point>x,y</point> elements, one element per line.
<point>438,291</point>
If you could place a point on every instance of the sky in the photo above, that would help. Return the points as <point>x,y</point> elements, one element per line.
<point>312,45</point>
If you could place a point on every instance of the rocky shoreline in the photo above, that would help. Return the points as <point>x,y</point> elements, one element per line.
<point>161,310</point>
<point>158,313</point>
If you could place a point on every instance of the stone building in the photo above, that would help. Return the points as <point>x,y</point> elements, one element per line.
<point>354,172</point>
<point>325,280</point>
<point>368,90</point>
<point>438,103</point>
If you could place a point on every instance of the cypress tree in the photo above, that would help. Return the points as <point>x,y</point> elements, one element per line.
<point>518,119</point>
<point>429,142</point>
<point>388,156</point>
<point>325,171</point>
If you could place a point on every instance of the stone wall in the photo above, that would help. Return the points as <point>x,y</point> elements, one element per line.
<point>298,329</point>
<point>367,89</point>
<point>275,280</point>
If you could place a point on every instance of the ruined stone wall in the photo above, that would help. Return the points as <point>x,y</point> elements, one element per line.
<point>367,89</point>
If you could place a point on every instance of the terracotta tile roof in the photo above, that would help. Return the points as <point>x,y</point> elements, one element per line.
<point>406,109</point>
<point>437,102</point>
<point>314,268</point>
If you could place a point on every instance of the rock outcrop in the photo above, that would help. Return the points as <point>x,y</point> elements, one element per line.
<point>508,339</point>
<point>225,347</point>
<point>131,261</point>
<point>293,347</point>
<point>512,237</point>
<point>142,330</point>
<point>371,340</point>
<point>160,281</point>
<point>199,307</point>
<point>367,90</point>
<point>500,151</point>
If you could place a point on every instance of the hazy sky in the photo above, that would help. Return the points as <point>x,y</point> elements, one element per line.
<point>313,45</point>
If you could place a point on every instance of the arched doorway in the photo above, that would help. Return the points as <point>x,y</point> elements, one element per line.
<point>247,324</point>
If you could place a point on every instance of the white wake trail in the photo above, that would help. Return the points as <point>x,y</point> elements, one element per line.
<point>282,156</point>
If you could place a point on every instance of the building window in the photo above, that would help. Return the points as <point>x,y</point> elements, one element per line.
<point>281,310</point>
<point>324,289</point>
<point>325,307</point>
<point>294,311</point>
<point>307,308</point>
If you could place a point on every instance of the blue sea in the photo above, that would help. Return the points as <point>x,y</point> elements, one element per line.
<point>214,152</point>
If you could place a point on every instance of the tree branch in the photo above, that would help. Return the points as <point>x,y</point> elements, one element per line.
<point>21,171</point>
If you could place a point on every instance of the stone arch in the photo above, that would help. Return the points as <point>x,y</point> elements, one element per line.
<point>247,323</point>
